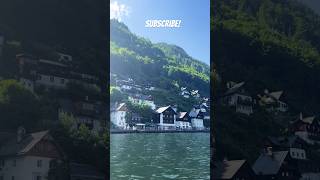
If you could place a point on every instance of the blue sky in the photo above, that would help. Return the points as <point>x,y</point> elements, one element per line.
<point>193,35</point>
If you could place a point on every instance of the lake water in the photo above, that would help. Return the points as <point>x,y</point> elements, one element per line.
<point>160,156</point>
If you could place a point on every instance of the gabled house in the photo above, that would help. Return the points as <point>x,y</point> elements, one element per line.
<point>183,121</point>
<point>237,97</point>
<point>185,94</point>
<point>195,93</point>
<point>165,118</point>
<point>118,116</point>
<point>297,149</point>
<point>233,170</point>
<point>307,128</point>
<point>28,156</point>
<point>197,117</point>
<point>273,101</point>
<point>276,165</point>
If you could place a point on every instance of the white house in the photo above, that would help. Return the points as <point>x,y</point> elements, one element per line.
<point>197,117</point>
<point>237,97</point>
<point>183,121</point>
<point>118,116</point>
<point>28,156</point>
<point>165,118</point>
<point>272,101</point>
<point>195,93</point>
<point>185,94</point>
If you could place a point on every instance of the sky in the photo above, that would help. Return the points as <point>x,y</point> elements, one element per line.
<point>193,35</point>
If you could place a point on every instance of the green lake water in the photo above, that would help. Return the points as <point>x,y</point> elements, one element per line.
<point>160,156</point>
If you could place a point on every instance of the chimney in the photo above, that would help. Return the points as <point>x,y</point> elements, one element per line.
<point>87,98</point>
<point>300,116</point>
<point>21,132</point>
<point>266,91</point>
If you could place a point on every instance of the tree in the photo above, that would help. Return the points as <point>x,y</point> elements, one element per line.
<point>18,106</point>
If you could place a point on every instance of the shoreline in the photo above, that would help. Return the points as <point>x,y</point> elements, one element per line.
<point>156,131</point>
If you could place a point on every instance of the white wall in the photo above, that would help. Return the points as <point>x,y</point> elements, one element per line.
<point>26,168</point>
<point>197,123</point>
<point>166,126</point>
<point>297,153</point>
<point>183,125</point>
<point>118,118</point>
<point>57,81</point>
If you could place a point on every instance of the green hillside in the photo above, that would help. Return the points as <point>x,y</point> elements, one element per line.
<point>271,44</point>
<point>162,65</point>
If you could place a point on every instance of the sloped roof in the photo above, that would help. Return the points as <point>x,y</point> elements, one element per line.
<point>194,112</point>
<point>308,120</point>
<point>235,88</point>
<point>12,147</point>
<point>284,141</point>
<point>227,169</point>
<point>121,107</point>
<point>182,114</point>
<point>269,164</point>
<point>162,109</point>
<point>276,94</point>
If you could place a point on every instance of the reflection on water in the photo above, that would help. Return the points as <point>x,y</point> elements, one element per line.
<point>160,156</point>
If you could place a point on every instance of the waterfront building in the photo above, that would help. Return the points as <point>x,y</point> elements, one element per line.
<point>165,118</point>
<point>118,116</point>
<point>183,121</point>
<point>197,117</point>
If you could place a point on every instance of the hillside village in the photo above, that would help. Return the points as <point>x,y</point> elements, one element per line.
<point>290,156</point>
<point>166,117</point>
<point>77,98</point>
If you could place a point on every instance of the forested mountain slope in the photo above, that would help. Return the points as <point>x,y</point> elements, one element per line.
<point>269,44</point>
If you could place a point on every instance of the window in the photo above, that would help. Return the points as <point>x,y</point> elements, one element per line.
<point>51,78</point>
<point>38,178</point>
<point>1,177</point>
<point>39,163</point>
<point>62,81</point>
<point>12,177</point>
<point>2,163</point>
